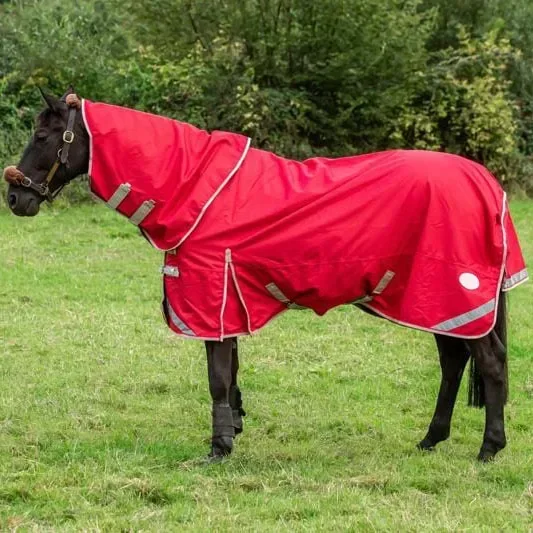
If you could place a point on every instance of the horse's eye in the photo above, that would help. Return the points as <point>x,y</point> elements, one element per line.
<point>41,135</point>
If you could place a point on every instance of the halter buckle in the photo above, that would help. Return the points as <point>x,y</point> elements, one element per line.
<point>26,182</point>
<point>68,136</point>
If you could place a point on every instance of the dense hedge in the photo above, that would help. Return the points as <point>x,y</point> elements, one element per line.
<point>301,77</point>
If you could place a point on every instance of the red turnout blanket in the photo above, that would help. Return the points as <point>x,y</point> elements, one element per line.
<point>422,238</point>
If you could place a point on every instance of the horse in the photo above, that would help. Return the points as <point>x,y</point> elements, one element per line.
<point>61,149</point>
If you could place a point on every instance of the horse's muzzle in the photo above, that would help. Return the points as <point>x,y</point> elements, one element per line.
<point>23,202</point>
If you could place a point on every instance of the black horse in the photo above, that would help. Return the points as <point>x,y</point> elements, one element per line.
<point>58,152</point>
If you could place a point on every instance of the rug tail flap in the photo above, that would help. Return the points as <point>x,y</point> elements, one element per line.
<point>515,265</point>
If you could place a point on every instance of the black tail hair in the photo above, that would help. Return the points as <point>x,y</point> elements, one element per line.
<point>476,388</point>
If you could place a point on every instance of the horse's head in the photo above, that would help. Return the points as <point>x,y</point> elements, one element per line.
<point>57,152</point>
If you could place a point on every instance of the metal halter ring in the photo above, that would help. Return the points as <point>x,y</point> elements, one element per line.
<point>40,188</point>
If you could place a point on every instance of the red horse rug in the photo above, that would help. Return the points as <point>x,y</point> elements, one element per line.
<point>421,238</point>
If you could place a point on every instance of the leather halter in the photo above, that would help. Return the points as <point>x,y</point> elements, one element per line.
<point>43,188</point>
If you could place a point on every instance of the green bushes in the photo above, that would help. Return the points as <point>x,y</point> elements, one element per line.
<point>51,44</point>
<point>298,77</point>
<point>463,104</point>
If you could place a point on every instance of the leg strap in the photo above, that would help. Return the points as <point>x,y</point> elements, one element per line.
<point>235,400</point>
<point>223,421</point>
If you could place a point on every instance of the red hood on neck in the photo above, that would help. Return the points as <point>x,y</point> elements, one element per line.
<point>160,173</point>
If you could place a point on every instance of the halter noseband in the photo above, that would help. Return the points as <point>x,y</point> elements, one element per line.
<point>43,188</point>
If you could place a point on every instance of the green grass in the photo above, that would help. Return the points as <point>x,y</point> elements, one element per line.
<point>104,413</point>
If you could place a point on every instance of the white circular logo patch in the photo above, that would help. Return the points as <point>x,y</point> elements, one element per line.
<point>469,281</point>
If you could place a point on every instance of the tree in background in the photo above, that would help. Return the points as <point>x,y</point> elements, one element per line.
<point>300,77</point>
<point>463,104</point>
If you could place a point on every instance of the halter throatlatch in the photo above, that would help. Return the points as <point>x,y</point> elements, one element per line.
<point>15,177</point>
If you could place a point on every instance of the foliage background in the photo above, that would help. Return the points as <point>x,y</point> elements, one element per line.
<point>301,77</point>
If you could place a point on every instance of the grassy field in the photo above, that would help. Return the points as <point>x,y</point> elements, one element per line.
<point>104,414</point>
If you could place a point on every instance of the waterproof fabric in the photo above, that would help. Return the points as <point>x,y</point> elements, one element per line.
<point>422,238</point>
<point>175,165</point>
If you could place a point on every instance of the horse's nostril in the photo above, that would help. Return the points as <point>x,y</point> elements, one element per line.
<point>12,200</point>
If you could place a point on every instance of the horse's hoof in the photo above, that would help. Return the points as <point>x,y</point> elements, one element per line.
<point>212,459</point>
<point>426,445</point>
<point>220,447</point>
<point>489,450</point>
<point>486,456</point>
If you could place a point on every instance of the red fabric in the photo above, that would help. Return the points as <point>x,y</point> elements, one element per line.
<point>325,232</point>
<point>163,160</point>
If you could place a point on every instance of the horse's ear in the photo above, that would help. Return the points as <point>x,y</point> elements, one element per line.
<point>50,101</point>
<point>70,90</point>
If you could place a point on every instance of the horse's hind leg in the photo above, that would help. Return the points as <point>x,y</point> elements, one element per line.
<point>489,354</point>
<point>235,398</point>
<point>453,355</point>
<point>219,368</point>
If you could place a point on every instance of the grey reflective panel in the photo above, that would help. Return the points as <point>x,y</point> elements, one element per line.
<point>514,279</point>
<point>380,287</point>
<point>275,291</point>
<point>178,322</point>
<point>383,282</point>
<point>297,307</point>
<point>143,211</point>
<point>466,318</point>
<point>122,191</point>
<point>172,271</point>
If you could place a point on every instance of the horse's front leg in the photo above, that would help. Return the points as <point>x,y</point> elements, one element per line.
<point>219,368</point>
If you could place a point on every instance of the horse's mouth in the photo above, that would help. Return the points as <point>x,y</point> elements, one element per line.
<point>23,203</point>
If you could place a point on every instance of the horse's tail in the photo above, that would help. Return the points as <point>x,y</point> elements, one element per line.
<point>476,389</point>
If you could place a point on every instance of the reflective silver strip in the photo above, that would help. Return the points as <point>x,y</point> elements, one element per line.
<point>142,212</point>
<point>275,291</point>
<point>514,279</point>
<point>466,318</point>
<point>383,282</point>
<point>178,322</point>
<point>172,271</point>
<point>119,195</point>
